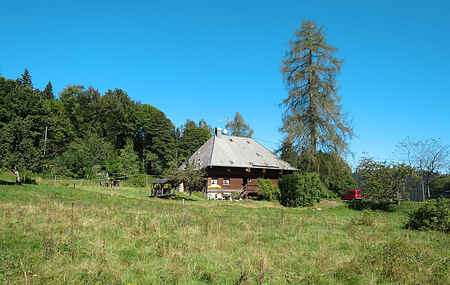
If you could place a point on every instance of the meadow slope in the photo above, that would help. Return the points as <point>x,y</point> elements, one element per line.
<point>93,235</point>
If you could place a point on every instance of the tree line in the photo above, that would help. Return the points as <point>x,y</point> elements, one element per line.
<point>82,132</point>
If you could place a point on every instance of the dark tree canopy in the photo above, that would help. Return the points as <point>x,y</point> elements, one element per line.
<point>193,136</point>
<point>238,127</point>
<point>82,132</point>
<point>156,142</point>
<point>312,112</point>
<point>48,92</point>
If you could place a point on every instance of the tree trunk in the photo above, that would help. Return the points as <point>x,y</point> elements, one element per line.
<point>17,175</point>
<point>423,192</point>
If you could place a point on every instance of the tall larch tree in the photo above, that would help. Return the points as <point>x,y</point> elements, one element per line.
<point>313,119</point>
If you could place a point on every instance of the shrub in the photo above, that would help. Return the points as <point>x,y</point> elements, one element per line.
<point>367,218</point>
<point>300,190</point>
<point>371,205</point>
<point>434,216</point>
<point>27,177</point>
<point>270,190</point>
<point>440,185</point>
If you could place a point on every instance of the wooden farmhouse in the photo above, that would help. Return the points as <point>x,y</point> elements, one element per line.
<point>233,164</point>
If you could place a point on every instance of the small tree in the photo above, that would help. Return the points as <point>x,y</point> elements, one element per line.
<point>271,191</point>
<point>190,174</point>
<point>383,181</point>
<point>426,156</point>
<point>238,127</point>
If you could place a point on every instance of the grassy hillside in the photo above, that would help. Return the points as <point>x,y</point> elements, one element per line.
<point>93,235</point>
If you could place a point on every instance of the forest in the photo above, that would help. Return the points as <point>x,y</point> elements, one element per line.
<point>82,133</point>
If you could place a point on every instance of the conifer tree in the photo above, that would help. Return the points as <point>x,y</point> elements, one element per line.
<point>26,79</point>
<point>48,92</point>
<point>238,127</point>
<point>312,118</point>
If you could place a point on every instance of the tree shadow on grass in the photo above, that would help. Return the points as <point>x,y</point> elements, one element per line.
<point>3,182</point>
<point>25,181</point>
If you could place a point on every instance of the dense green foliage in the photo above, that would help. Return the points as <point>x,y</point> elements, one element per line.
<point>84,132</point>
<point>300,190</point>
<point>123,237</point>
<point>434,215</point>
<point>238,127</point>
<point>334,171</point>
<point>192,137</point>
<point>383,181</point>
<point>190,174</point>
<point>271,192</point>
<point>440,184</point>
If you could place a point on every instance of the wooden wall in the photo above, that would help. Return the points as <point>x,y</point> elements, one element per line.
<point>237,176</point>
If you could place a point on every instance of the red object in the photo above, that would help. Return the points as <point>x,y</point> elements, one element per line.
<point>352,195</point>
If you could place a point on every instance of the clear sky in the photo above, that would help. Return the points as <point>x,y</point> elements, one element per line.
<point>208,59</point>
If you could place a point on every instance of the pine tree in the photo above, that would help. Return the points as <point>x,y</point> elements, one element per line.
<point>238,127</point>
<point>26,79</point>
<point>313,119</point>
<point>48,92</point>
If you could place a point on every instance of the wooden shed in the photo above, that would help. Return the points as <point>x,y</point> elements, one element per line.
<point>162,188</point>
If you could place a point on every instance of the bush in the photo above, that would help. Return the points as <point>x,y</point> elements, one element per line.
<point>270,190</point>
<point>371,205</point>
<point>27,177</point>
<point>434,216</point>
<point>440,185</point>
<point>367,218</point>
<point>300,190</point>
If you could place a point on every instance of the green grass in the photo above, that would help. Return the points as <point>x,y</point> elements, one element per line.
<point>95,235</point>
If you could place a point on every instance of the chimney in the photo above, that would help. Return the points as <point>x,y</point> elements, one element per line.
<point>218,132</point>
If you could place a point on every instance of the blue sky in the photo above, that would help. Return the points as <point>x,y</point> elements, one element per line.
<point>208,59</point>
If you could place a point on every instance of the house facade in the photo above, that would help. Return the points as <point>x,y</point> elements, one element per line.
<point>234,164</point>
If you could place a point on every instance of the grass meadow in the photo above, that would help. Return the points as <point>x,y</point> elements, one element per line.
<point>54,234</point>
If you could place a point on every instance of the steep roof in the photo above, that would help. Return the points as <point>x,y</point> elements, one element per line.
<point>231,151</point>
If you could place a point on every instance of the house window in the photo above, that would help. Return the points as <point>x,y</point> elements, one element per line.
<point>213,181</point>
<point>226,181</point>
